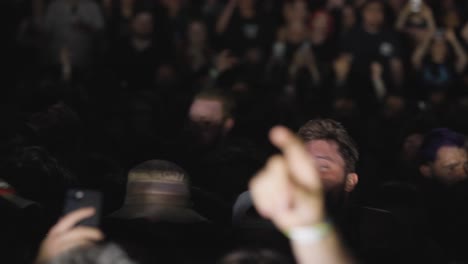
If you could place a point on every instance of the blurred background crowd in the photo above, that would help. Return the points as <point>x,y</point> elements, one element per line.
<point>94,87</point>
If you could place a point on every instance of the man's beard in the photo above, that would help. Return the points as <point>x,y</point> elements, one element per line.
<point>204,135</point>
<point>335,201</point>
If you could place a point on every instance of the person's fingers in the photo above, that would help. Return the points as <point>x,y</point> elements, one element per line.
<point>63,241</point>
<point>71,219</point>
<point>299,163</point>
<point>269,188</point>
<point>80,234</point>
<point>259,196</point>
<point>69,245</point>
<point>277,169</point>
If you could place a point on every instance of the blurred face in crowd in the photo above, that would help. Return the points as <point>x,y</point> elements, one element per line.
<point>439,50</point>
<point>411,146</point>
<point>172,4</point>
<point>319,24</point>
<point>295,11</point>
<point>246,4</point>
<point>197,33</point>
<point>331,166</point>
<point>142,25</point>
<point>373,15</point>
<point>449,165</point>
<point>349,17</point>
<point>299,9</point>
<point>127,3</point>
<point>394,106</point>
<point>296,32</point>
<point>208,121</point>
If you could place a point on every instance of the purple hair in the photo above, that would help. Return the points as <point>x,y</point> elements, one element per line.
<point>437,138</point>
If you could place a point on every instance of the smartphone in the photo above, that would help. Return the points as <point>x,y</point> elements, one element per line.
<point>416,5</point>
<point>79,198</point>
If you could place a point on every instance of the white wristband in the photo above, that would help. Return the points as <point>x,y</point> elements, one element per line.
<point>309,234</point>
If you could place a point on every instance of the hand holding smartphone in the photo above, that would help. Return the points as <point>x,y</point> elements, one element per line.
<point>78,198</point>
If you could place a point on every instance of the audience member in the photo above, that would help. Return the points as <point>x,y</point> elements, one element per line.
<point>94,87</point>
<point>157,213</point>
<point>72,26</point>
<point>372,42</point>
<point>67,243</point>
<point>443,161</point>
<point>289,192</point>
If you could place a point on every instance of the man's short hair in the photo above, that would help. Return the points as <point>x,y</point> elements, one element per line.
<point>437,138</point>
<point>158,170</point>
<point>218,95</point>
<point>330,130</point>
<point>157,178</point>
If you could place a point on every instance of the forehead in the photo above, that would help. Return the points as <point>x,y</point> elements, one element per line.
<point>447,154</point>
<point>374,7</point>
<point>143,17</point>
<point>325,149</point>
<point>196,25</point>
<point>206,106</point>
<point>322,17</point>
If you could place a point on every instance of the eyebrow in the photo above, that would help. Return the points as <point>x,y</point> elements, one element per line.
<point>325,158</point>
<point>453,164</point>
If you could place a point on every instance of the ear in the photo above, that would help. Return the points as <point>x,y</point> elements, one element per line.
<point>352,180</point>
<point>425,170</point>
<point>228,125</point>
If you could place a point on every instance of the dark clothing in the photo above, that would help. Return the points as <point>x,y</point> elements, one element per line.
<point>243,33</point>
<point>378,236</point>
<point>367,48</point>
<point>447,216</point>
<point>167,242</point>
<point>136,69</point>
<point>373,235</point>
<point>22,227</point>
<point>436,78</point>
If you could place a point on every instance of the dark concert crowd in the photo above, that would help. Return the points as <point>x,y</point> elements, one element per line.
<point>234,131</point>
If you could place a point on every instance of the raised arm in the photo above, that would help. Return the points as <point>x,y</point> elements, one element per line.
<point>421,50</point>
<point>426,13</point>
<point>289,192</point>
<point>460,53</point>
<point>304,57</point>
<point>403,17</point>
<point>226,15</point>
<point>429,17</point>
<point>65,236</point>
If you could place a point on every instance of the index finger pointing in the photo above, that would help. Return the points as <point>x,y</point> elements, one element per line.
<point>300,164</point>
